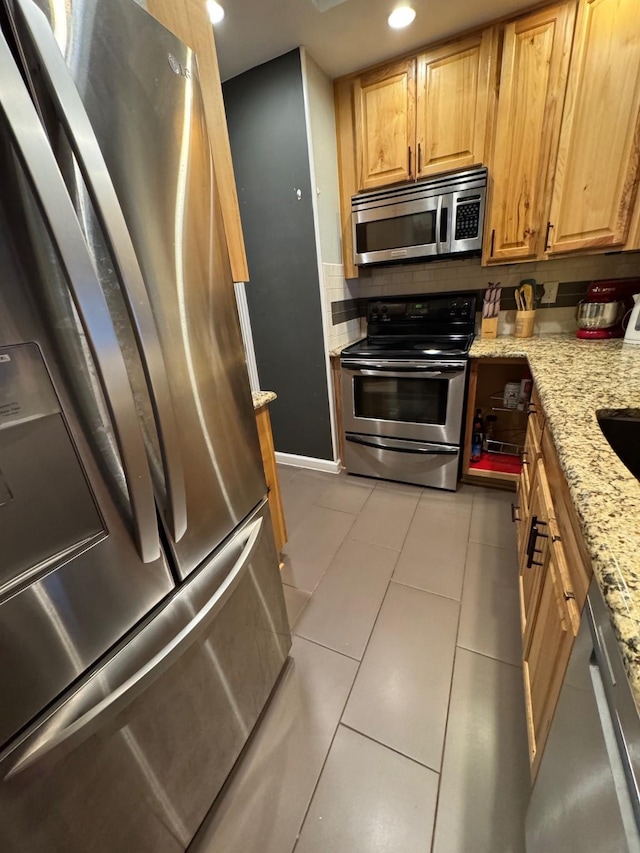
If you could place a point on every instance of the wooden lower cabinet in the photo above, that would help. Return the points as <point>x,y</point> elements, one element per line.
<point>487,379</point>
<point>547,652</point>
<point>551,587</point>
<point>267,450</point>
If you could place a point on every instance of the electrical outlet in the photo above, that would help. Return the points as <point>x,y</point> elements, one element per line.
<point>550,292</point>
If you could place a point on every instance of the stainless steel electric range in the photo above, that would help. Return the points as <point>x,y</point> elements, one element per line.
<point>403,389</point>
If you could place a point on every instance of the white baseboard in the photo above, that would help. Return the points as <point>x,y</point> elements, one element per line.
<point>311,462</point>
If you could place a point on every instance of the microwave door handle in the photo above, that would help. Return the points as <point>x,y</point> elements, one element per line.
<point>439,249</point>
<point>73,116</point>
<point>43,174</point>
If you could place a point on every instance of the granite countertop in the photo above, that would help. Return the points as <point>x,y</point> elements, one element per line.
<point>262,398</point>
<point>574,379</point>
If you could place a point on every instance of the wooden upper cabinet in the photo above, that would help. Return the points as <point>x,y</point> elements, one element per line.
<point>189,21</point>
<point>384,105</point>
<point>599,153</point>
<point>533,81</point>
<point>453,103</point>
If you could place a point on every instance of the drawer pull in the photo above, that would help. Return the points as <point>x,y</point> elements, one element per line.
<point>534,533</point>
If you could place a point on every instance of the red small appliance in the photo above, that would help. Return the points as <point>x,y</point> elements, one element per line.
<point>605,311</point>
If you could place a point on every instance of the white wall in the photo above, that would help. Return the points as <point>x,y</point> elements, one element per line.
<point>322,127</point>
<point>323,162</point>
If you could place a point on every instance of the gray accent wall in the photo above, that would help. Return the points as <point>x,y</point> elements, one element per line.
<point>269,146</point>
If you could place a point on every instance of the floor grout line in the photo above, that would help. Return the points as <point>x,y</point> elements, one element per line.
<point>390,748</point>
<point>330,648</point>
<point>428,591</point>
<point>489,657</point>
<point>453,669</point>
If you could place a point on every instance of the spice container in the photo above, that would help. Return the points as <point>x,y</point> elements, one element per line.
<point>511,395</point>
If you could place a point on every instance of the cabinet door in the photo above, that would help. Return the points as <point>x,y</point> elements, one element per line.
<point>533,81</point>
<point>534,551</point>
<point>599,152</point>
<point>454,84</point>
<point>548,650</point>
<point>384,102</point>
<point>526,492</point>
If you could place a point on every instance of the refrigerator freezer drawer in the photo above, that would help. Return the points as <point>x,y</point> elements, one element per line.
<point>135,757</point>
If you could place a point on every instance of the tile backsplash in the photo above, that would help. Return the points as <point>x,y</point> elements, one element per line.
<point>345,300</point>
<point>343,308</point>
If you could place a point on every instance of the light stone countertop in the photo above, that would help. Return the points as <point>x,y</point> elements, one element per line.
<point>574,379</point>
<point>262,398</point>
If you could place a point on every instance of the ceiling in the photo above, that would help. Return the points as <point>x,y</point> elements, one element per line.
<point>345,37</point>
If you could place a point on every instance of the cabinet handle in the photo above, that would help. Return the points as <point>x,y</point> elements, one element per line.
<point>546,237</point>
<point>524,459</point>
<point>493,240</point>
<point>409,170</point>
<point>531,409</point>
<point>534,533</point>
<point>569,596</point>
<point>419,157</point>
<point>514,510</point>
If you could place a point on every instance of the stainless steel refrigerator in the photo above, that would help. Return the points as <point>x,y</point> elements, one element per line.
<point>142,621</point>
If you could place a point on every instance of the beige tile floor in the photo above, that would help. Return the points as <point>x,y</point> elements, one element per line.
<point>398,725</point>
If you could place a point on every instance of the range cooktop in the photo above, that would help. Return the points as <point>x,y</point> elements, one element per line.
<point>434,325</point>
<point>443,346</point>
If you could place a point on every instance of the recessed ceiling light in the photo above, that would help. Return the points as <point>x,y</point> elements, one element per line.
<point>215,10</point>
<point>401,17</point>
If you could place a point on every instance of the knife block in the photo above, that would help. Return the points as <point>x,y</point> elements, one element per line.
<point>489,328</point>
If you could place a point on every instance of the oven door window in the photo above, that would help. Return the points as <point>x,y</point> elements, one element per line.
<point>391,398</point>
<point>397,232</point>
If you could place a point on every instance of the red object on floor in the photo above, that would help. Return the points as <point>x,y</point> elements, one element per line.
<point>502,462</point>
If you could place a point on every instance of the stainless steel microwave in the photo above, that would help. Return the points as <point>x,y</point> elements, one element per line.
<point>437,217</point>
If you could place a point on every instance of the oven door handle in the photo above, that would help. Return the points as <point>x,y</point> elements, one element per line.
<point>422,449</point>
<point>406,369</point>
<point>411,374</point>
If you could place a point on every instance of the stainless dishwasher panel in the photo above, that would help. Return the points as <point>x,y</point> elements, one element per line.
<point>134,758</point>
<point>582,801</point>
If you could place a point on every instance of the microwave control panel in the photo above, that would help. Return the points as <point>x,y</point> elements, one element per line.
<point>467,218</point>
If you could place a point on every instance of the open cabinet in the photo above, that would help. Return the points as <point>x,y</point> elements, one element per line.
<point>505,426</point>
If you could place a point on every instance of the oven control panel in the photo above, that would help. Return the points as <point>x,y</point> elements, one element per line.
<point>426,310</point>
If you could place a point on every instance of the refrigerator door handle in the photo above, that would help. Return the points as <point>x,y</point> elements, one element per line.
<point>40,166</point>
<point>73,116</point>
<point>121,680</point>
